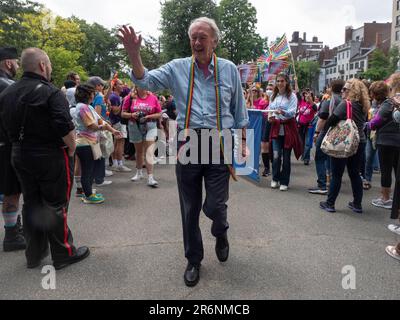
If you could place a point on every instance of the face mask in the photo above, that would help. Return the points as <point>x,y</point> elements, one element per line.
<point>269,93</point>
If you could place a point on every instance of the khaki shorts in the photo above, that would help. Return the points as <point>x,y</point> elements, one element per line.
<point>121,128</point>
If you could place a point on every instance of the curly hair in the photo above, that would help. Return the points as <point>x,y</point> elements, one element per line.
<point>394,82</point>
<point>380,91</point>
<point>359,92</point>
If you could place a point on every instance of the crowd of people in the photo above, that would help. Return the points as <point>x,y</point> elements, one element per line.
<point>302,123</point>
<point>86,131</point>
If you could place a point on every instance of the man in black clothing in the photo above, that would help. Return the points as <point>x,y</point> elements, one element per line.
<point>171,108</point>
<point>9,185</point>
<point>36,120</point>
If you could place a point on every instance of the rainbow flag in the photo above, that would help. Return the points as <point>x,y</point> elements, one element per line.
<point>280,50</point>
<point>249,73</point>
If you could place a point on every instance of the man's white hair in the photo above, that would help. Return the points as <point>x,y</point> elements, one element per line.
<point>211,23</point>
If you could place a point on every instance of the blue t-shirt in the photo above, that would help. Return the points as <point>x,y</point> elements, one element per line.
<point>99,101</point>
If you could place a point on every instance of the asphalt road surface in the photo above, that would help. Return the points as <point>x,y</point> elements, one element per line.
<point>282,247</point>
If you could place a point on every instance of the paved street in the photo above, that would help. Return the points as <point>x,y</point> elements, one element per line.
<point>282,247</point>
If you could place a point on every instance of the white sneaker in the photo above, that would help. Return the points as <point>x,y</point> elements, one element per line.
<point>391,251</point>
<point>395,229</point>
<point>274,185</point>
<point>109,173</point>
<point>123,169</point>
<point>284,188</point>
<point>114,168</point>
<point>104,184</point>
<point>380,203</point>
<point>152,183</point>
<point>137,177</point>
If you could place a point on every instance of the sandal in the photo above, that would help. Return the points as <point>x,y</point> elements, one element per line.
<point>391,251</point>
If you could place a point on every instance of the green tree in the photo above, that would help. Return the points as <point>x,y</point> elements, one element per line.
<point>307,74</point>
<point>63,47</point>
<point>238,24</point>
<point>151,53</point>
<point>176,16</point>
<point>100,53</point>
<point>381,66</point>
<point>64,61</point>
<point>12,31</point>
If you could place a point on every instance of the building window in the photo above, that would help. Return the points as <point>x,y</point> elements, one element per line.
<point>398,5</point>
<point>348,54</point>
<point>398,21</point>
<point>357,65</point>
<point>347,67</point>
<point>397,35</point>
<point>351,66</point>
<point>362,65</point>
<point>347,78</point>
<point>334,69</point>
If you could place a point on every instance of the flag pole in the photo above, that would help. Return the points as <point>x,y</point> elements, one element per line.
<point>293,65</point>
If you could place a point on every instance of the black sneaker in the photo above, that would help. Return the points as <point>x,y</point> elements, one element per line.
<point>327,207</point>
<point>13,240</point>
<point>266,173</point>
<point>356,209</point>
<point>320,191</point>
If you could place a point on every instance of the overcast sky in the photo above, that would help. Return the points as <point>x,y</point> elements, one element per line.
<point>325,19</point>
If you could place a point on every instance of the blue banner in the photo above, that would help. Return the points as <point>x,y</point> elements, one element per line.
<point>251,168</point>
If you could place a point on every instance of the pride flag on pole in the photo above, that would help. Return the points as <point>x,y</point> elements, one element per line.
<point>280,50</point>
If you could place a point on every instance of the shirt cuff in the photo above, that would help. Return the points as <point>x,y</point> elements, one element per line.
<point>242,124</point>
<point>142,83</point>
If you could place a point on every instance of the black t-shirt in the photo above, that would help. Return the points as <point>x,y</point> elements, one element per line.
<point>358,116</point>
<point>48,119</point>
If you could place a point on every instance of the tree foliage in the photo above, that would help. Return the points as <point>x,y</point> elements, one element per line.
<point>176,16</point>
<point>100,54</point>
<point>382,65</point>
<point>238,19</point>
<point>307,74</point>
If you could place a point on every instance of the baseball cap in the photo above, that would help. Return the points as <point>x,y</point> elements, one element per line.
<point>8,53</point>
<point>95,81</point>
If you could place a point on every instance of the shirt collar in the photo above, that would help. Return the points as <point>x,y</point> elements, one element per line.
<point>34,76</point>
<point>210,66</point>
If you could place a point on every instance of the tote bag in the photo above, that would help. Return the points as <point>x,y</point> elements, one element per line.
<point>342,141</point>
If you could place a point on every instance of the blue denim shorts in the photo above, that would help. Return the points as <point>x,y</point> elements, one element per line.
<point>141,133</point>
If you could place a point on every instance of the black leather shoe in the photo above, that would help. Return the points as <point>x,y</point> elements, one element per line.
<point>222,248</point>
<point>81,253</point>
<point>192,275</point>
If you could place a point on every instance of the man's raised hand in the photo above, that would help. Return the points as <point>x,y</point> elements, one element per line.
<point>131,41</point>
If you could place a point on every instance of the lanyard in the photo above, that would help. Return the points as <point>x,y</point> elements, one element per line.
<point>218,107</point>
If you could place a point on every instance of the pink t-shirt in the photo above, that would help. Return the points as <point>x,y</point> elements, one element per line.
<point>306,113</point>
<point>261,104</point>
<point>149,106</point>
